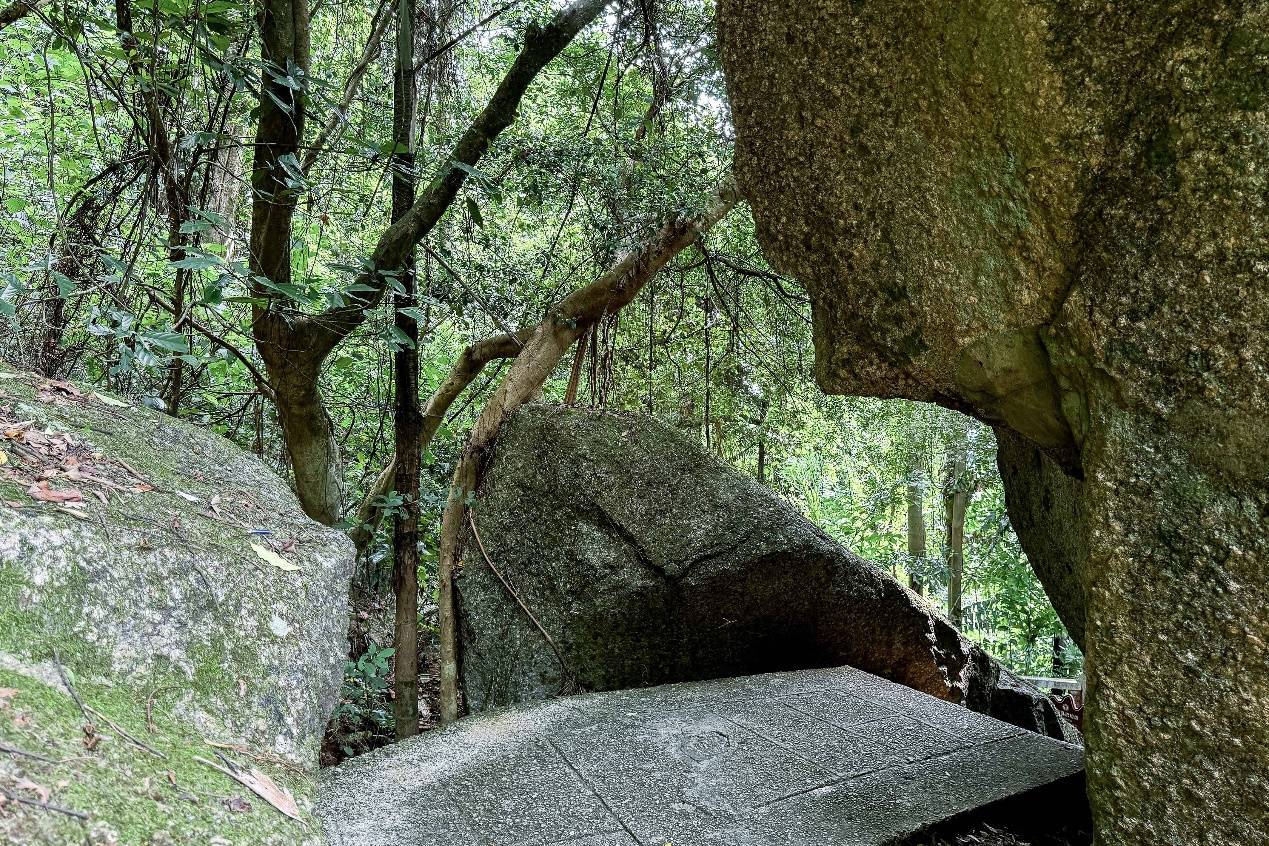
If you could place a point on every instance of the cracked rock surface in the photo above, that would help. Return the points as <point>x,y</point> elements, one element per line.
<point>649,561</point>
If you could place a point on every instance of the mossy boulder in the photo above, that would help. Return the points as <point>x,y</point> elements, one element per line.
<point>646,560</point>
<point>170,583</point>
<point>1055,216</point>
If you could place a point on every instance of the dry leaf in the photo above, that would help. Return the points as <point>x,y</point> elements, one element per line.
<point>264,787</point>
<point>38,790</point>
<point>261,785</point>
<point>110,400</point>
<point>7,693</point>
<point>42,492</point>
<point>238,804</point>
<point>273,558</point>
<point>22,720</point>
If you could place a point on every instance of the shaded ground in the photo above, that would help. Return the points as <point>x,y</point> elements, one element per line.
<point>1059,818</point>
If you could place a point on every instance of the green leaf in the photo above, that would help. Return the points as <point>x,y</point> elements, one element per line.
<point>474,211</point>
<point>170,341</point>
<point>197,262</point>
<point>65,285</point>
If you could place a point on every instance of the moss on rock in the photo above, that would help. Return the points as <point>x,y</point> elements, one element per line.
<point>151,592</point>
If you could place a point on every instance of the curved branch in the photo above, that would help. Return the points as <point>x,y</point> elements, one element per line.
<point>541,45</point>
<point>17,10</point>
<point>465,370</point>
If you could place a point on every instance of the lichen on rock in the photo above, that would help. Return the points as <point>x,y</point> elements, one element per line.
<point>1055,216</point>
<point>138,571</point>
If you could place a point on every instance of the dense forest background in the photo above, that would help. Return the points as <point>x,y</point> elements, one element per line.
<point>125,241</point>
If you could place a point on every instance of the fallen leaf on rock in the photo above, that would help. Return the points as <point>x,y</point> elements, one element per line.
<point>7,693</point>
<point>273,558</point>
<point>110,400</point>
<point>42,492</point>
<point>264,787</point>
<point>259,784</point>
<point>55,390</point>
<point>37,789</point>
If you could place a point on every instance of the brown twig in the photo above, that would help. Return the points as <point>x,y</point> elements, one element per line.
<point>13,750</point>
<point>471,520</point>
<point>70,688</point>
<point>35,803</point>
<point>125,735</point>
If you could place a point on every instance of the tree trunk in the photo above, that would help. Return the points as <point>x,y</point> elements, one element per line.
<point>294,345</point>
<point>408,422</point>
<point>311,446</point>
<point>955,500</point>
<point>916,532</point>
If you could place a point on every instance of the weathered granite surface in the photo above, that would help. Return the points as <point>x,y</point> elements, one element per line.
<point>648,560</point>
<point>825,757</point>
<point>148,592</point>
<point>1055,216</point>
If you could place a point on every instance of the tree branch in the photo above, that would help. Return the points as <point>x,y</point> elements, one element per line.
<point>541,45</point>
<point>550,339</point>
<point>17,10</point>
<point>334,126</point>
<point>465,370</point>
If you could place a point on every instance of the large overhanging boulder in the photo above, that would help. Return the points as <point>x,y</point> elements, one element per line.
<point>1053,216</point>
<point>615,553</point>
<point>160,591</point>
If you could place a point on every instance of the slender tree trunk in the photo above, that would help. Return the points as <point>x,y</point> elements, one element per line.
<point>465,370</point>
<point>956,500</point>
<point>916,532</point>
<point>408,422</point>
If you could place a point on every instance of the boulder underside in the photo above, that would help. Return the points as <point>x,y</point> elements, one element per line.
<point>814,757</point>
<point>1055,216</point>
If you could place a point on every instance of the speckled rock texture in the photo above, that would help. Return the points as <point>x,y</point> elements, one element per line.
<point>1046,509</point>
<point>1055,216</point>
<point>152,592</point>
<point>648,561</point>
<point>832,757</point>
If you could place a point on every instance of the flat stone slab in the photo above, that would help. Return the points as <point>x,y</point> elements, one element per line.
<point>819,757</point>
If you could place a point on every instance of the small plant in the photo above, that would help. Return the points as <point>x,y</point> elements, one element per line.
<point>363,719</point>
